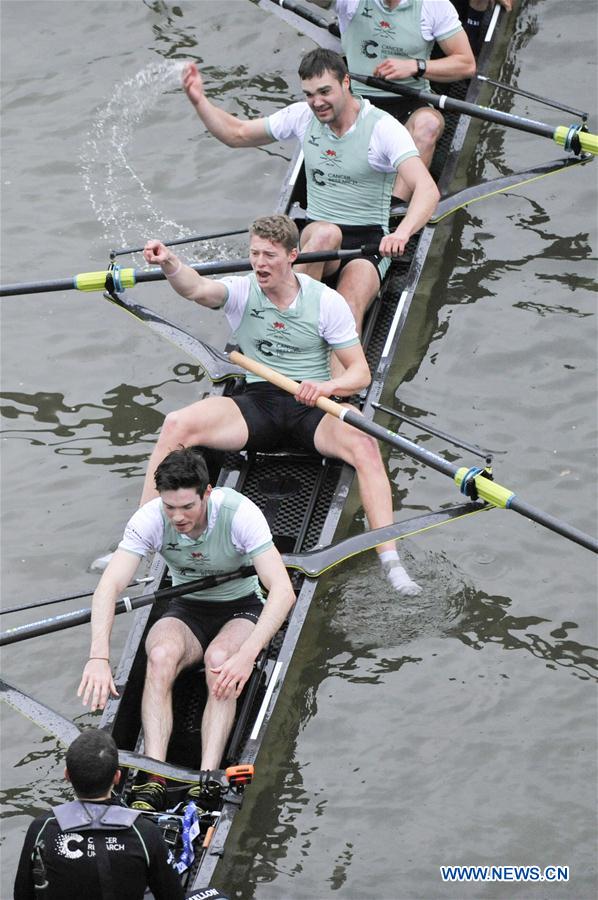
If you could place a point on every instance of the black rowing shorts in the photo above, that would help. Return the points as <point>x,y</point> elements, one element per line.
<point>354,236</point>
<point>275,419</point>
<point>399,107</point>
<point>206,619</point>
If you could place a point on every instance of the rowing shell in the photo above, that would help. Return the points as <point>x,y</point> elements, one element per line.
<point>302,497</point>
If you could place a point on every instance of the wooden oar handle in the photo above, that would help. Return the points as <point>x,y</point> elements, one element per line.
<point>287,384</point>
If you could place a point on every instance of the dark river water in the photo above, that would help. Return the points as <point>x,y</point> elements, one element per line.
<point>456,729</point>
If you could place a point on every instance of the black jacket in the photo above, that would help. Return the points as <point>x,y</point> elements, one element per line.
<point>130,859</point>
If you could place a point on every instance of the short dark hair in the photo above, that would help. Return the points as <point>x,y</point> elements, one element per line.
<point>320,60</point>
<point>92,761</point>
<point>184,468</point>
<point>279,229</point>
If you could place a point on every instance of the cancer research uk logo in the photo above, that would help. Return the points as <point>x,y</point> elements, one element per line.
<point>383,30</point>
<point>63,842</point>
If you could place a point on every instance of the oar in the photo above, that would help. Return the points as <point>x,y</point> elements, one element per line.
<point>311,564</point>
<point>194,239</point>
<point>308,15</point>
<point>544,100</point>
<point>472,482</point>
<point>65,598</point>
<point>66,731</point>
<point>118,279</point>
<point>322,32</point>
<point>451,203</point>
<point>485,454</point>
<point>217,365</point>
<point>214,363</point>
<point>572,137</point>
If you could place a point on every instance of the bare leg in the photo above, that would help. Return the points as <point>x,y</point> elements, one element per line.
<point>213,422</point>
<point>170,647</point>
<point>359,283</point>
<point>335,438</point>
<point>219,715</point>
<point>315,238</point>
<point>425,127</point>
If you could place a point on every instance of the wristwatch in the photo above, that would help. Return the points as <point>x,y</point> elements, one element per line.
<point>421,68</point>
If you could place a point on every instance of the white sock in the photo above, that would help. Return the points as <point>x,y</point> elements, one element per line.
<point>397,575</point>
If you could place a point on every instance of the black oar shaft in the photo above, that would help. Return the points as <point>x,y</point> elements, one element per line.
<point>486,489</point>
<point>554,104</point>
<point>126,604</point>
<point>442,465</point>
<point>244,265</point>
<point>447,468</point>
<point>553,524</point>
<point>449,104</point>
<point>38,287</point>
<point>98,281</point>
<point>48,601</point>
<point>196,238</point>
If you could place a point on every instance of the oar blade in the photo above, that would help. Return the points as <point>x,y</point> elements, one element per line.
<point>214,363</point>
<point>452,203</point>
<point>40,714</point>
<point>66,731</point>
<point>132,760</point>
<point>315,562</point>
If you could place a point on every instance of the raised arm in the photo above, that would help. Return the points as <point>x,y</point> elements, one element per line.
<point>272,573</point>
<point>185,280</point>
<point>227,128</point>
<point>97,682</point>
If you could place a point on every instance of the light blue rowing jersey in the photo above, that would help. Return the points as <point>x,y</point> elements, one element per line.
<point>344,187</point>
<point>289,340</point>
<point>374,35</point>
<point>212,553</point>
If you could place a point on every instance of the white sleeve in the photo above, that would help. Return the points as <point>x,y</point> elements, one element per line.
<point>238,292</point>
<point>390,145</point>
<point>345,10</point>
<point>439,20</point>
<point>337,325</point>
<point>144,530</point>
<point>250,532</point>
<point>292,121</point>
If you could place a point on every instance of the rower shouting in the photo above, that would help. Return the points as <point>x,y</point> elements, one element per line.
<point>292,323</point>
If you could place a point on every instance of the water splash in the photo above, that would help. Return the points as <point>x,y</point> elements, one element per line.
<point>108,175</point>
